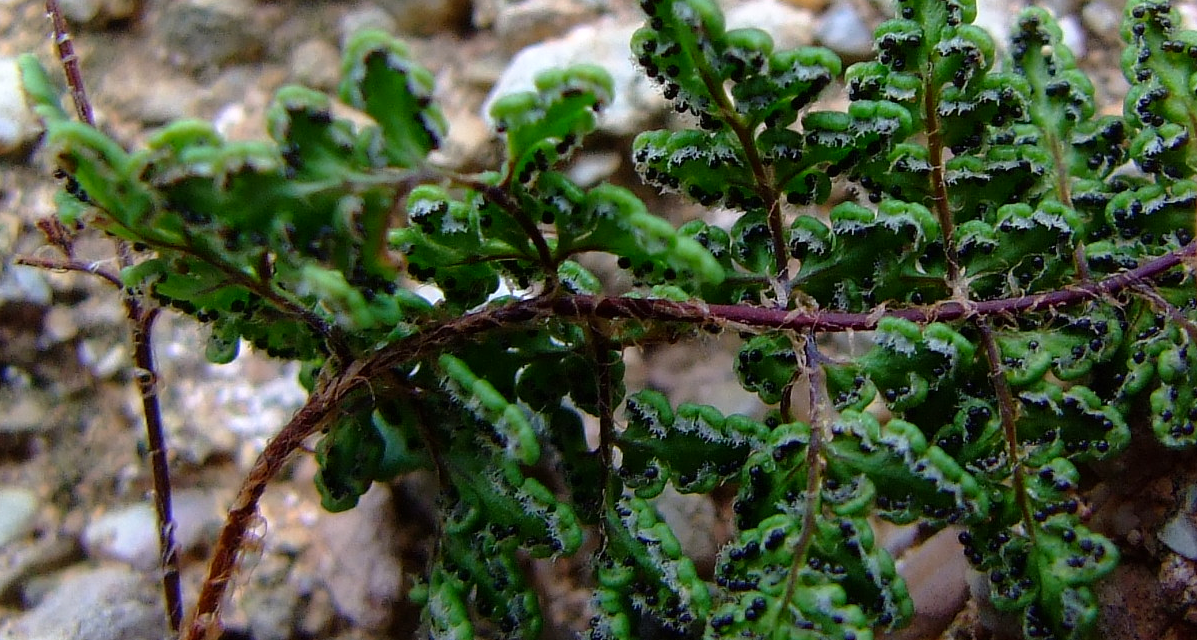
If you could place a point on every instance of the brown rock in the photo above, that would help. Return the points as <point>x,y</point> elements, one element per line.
<point>357,563</point>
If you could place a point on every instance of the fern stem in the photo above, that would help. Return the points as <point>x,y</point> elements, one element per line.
<point>600,347</point>
<point>70,63</point>
<point>943,211</point>
<point>321,406</point>
<point>142,321</point>
<point>814,468</point>
<point>325,401</point>
<point>760,173</point>
<point>826,321</point>
<point>92,268</point>
<point>1009,416</point>
<point>1064,190</point>
<point>501,198</point>
<point>334,337</point>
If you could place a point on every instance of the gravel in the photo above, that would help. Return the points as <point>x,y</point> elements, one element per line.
<point>18,510</point>
<point>845,32</point>
<point>320,574</point>
<point>18,125</point>
<point>105,603</point>
<point>99,13</point>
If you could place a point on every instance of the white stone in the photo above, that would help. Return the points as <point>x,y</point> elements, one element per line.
<point>936,576</point>
<point>519,24</point>
<point>1102,18</point>
<point>208,33</point>
<point>18,124</point>
<point>364,17</point>
<point>790,26</point>
<point>317,64</point>
<point>108,603</point>
<point>159,101</point>
<point>692,518</point>
<point>357,561</point>
<point>845,32</point>
<point>996,17</point>
<point>1188,14</point>
<point>28,414</point>
<point>426,17</point>
<point>20,283</point>
<point>98,12</point>
<point>59,325</point>
<point>18,508</point>
<point>605,43</point>
<point>128,535</point>
<point>592,168</point>
<point>1179,533</point>
<point>1074,35</point>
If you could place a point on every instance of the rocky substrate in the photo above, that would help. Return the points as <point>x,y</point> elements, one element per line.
<point>78,552</point>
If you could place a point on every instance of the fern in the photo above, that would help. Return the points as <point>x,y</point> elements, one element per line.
<point>1024,266</point>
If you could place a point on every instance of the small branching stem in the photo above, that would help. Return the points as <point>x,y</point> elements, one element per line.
<point>1063,184</point>
<point>1080,261</point>
<point>600,347</point>
<point>1009,415</point>
<point>760,173</point>
<point>440,468</point>
<point>811,505</point>
<point>434,446</point>
<point>776,235</point>
<point>141,319</point>
<point>70,63</point>
<point>51,264</point>
<point>58,235</point>
<point>1161,304</point>
<point>334,336</point>
<point>943,211</point>
<point>499,196</point>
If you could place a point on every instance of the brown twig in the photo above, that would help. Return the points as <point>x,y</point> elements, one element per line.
<point>320,406</point>
<point>50,264</point>
<point>1008,411</point>
<point>825,321</point>
<point>70,63</point>
<point>141,319</point>
<point>819,406</point>
<point>601,347</point>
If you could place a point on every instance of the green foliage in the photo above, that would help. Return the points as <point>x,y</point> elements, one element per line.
<point>644,578</point>
<point>1018,259</point>
<point>696,448</point>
